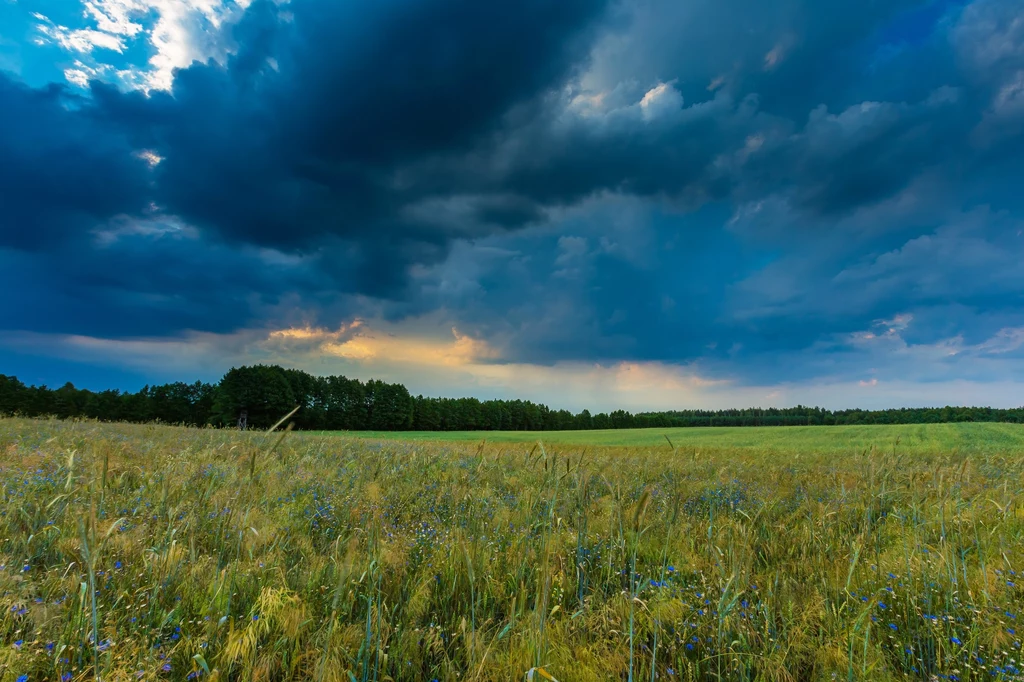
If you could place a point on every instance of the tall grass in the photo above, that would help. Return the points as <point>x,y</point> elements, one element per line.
<point>149,552</point>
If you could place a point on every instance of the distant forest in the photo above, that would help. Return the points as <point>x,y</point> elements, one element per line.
<point>268,392</point>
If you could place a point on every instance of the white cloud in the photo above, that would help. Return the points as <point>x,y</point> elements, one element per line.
<point>773,57</point>
<point>181,35</point>
<point>660,101</point>
<point>897,323</point>
<point>120,227</point>
<point>83,40</point>
<point>182,31</point>
<point>995,357</point>
<point>587,104</point>
<point>81,73</point>
<point>1005,340</point>
<point>114,16</point>
<point>150,157</point>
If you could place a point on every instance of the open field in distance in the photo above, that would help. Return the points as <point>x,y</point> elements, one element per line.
<point>164,553</point>
<point>912,437</point>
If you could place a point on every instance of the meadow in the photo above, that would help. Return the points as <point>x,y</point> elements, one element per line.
<point>165,553</point>
<point>838,439</point>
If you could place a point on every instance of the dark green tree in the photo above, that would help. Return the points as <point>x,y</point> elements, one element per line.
<point>262,391</point>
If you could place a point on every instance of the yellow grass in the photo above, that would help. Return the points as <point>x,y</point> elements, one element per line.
<point>126,549</point>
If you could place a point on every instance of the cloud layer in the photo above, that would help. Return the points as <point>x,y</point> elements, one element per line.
<point>743,194</point>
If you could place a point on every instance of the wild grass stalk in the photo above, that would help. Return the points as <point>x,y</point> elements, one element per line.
<point>306,556</point>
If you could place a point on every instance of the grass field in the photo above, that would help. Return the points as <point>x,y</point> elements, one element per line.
<point>162,553</point>
<point>916,438</point>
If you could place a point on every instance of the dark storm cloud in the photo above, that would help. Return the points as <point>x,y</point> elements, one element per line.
<point>145,284</point>
<point>62,167</point>
<point>699,293</point>
<point>508,212</point>
<point>719,148</point>
<point>295,144</point>
<point>817,104</point>
<point>647,180</point>
<point>303,133</point>
<point>872,172</point>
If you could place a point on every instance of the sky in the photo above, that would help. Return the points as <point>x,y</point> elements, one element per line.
<point>638,204</point>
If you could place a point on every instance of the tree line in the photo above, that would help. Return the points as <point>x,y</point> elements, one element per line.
<point>267,392</point>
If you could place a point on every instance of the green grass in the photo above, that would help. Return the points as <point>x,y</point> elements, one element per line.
<point>917,438</point>
<point>162,553</point>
